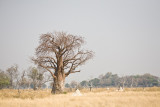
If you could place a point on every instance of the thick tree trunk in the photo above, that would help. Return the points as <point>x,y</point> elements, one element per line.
<point>58,86</point>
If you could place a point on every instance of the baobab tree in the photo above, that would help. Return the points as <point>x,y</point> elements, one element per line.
<point>60,54</point>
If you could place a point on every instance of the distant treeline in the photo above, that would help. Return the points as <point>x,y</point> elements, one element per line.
<point>35,78</point>
<point>113,80</point>
<point>31,78</point>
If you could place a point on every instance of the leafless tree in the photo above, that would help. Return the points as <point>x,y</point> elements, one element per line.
<point>12,73</point>
<point>74,84</point>
<point>24,81</point>
<point>122,82</point>
<point>61,54</point>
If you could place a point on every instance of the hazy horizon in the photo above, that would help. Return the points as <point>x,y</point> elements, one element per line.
<point>125,35</point>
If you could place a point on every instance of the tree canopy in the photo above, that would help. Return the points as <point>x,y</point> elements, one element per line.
<point>61,54</point>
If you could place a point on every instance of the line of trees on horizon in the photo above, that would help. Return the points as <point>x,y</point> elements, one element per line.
<point>113,80</point>
<point>36,78</point>
<point>32,78</point>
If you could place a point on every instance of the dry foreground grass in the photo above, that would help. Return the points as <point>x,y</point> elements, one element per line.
<point>131,97</point>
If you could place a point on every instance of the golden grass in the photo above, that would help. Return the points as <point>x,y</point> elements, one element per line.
<point>131,97</point>
<point>23,94</point>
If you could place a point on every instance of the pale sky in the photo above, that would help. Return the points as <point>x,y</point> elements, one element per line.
<point>124,34</point>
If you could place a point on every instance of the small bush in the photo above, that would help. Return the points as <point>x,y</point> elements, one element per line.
<point>64,92</point>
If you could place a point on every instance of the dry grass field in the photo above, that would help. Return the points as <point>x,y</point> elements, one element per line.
<point>130,97</point>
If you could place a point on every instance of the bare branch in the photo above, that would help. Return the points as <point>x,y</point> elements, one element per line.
<point>66,74</point>
<point>49,71</point>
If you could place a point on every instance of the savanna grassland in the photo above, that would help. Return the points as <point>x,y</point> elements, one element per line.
<point>100,97</point>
